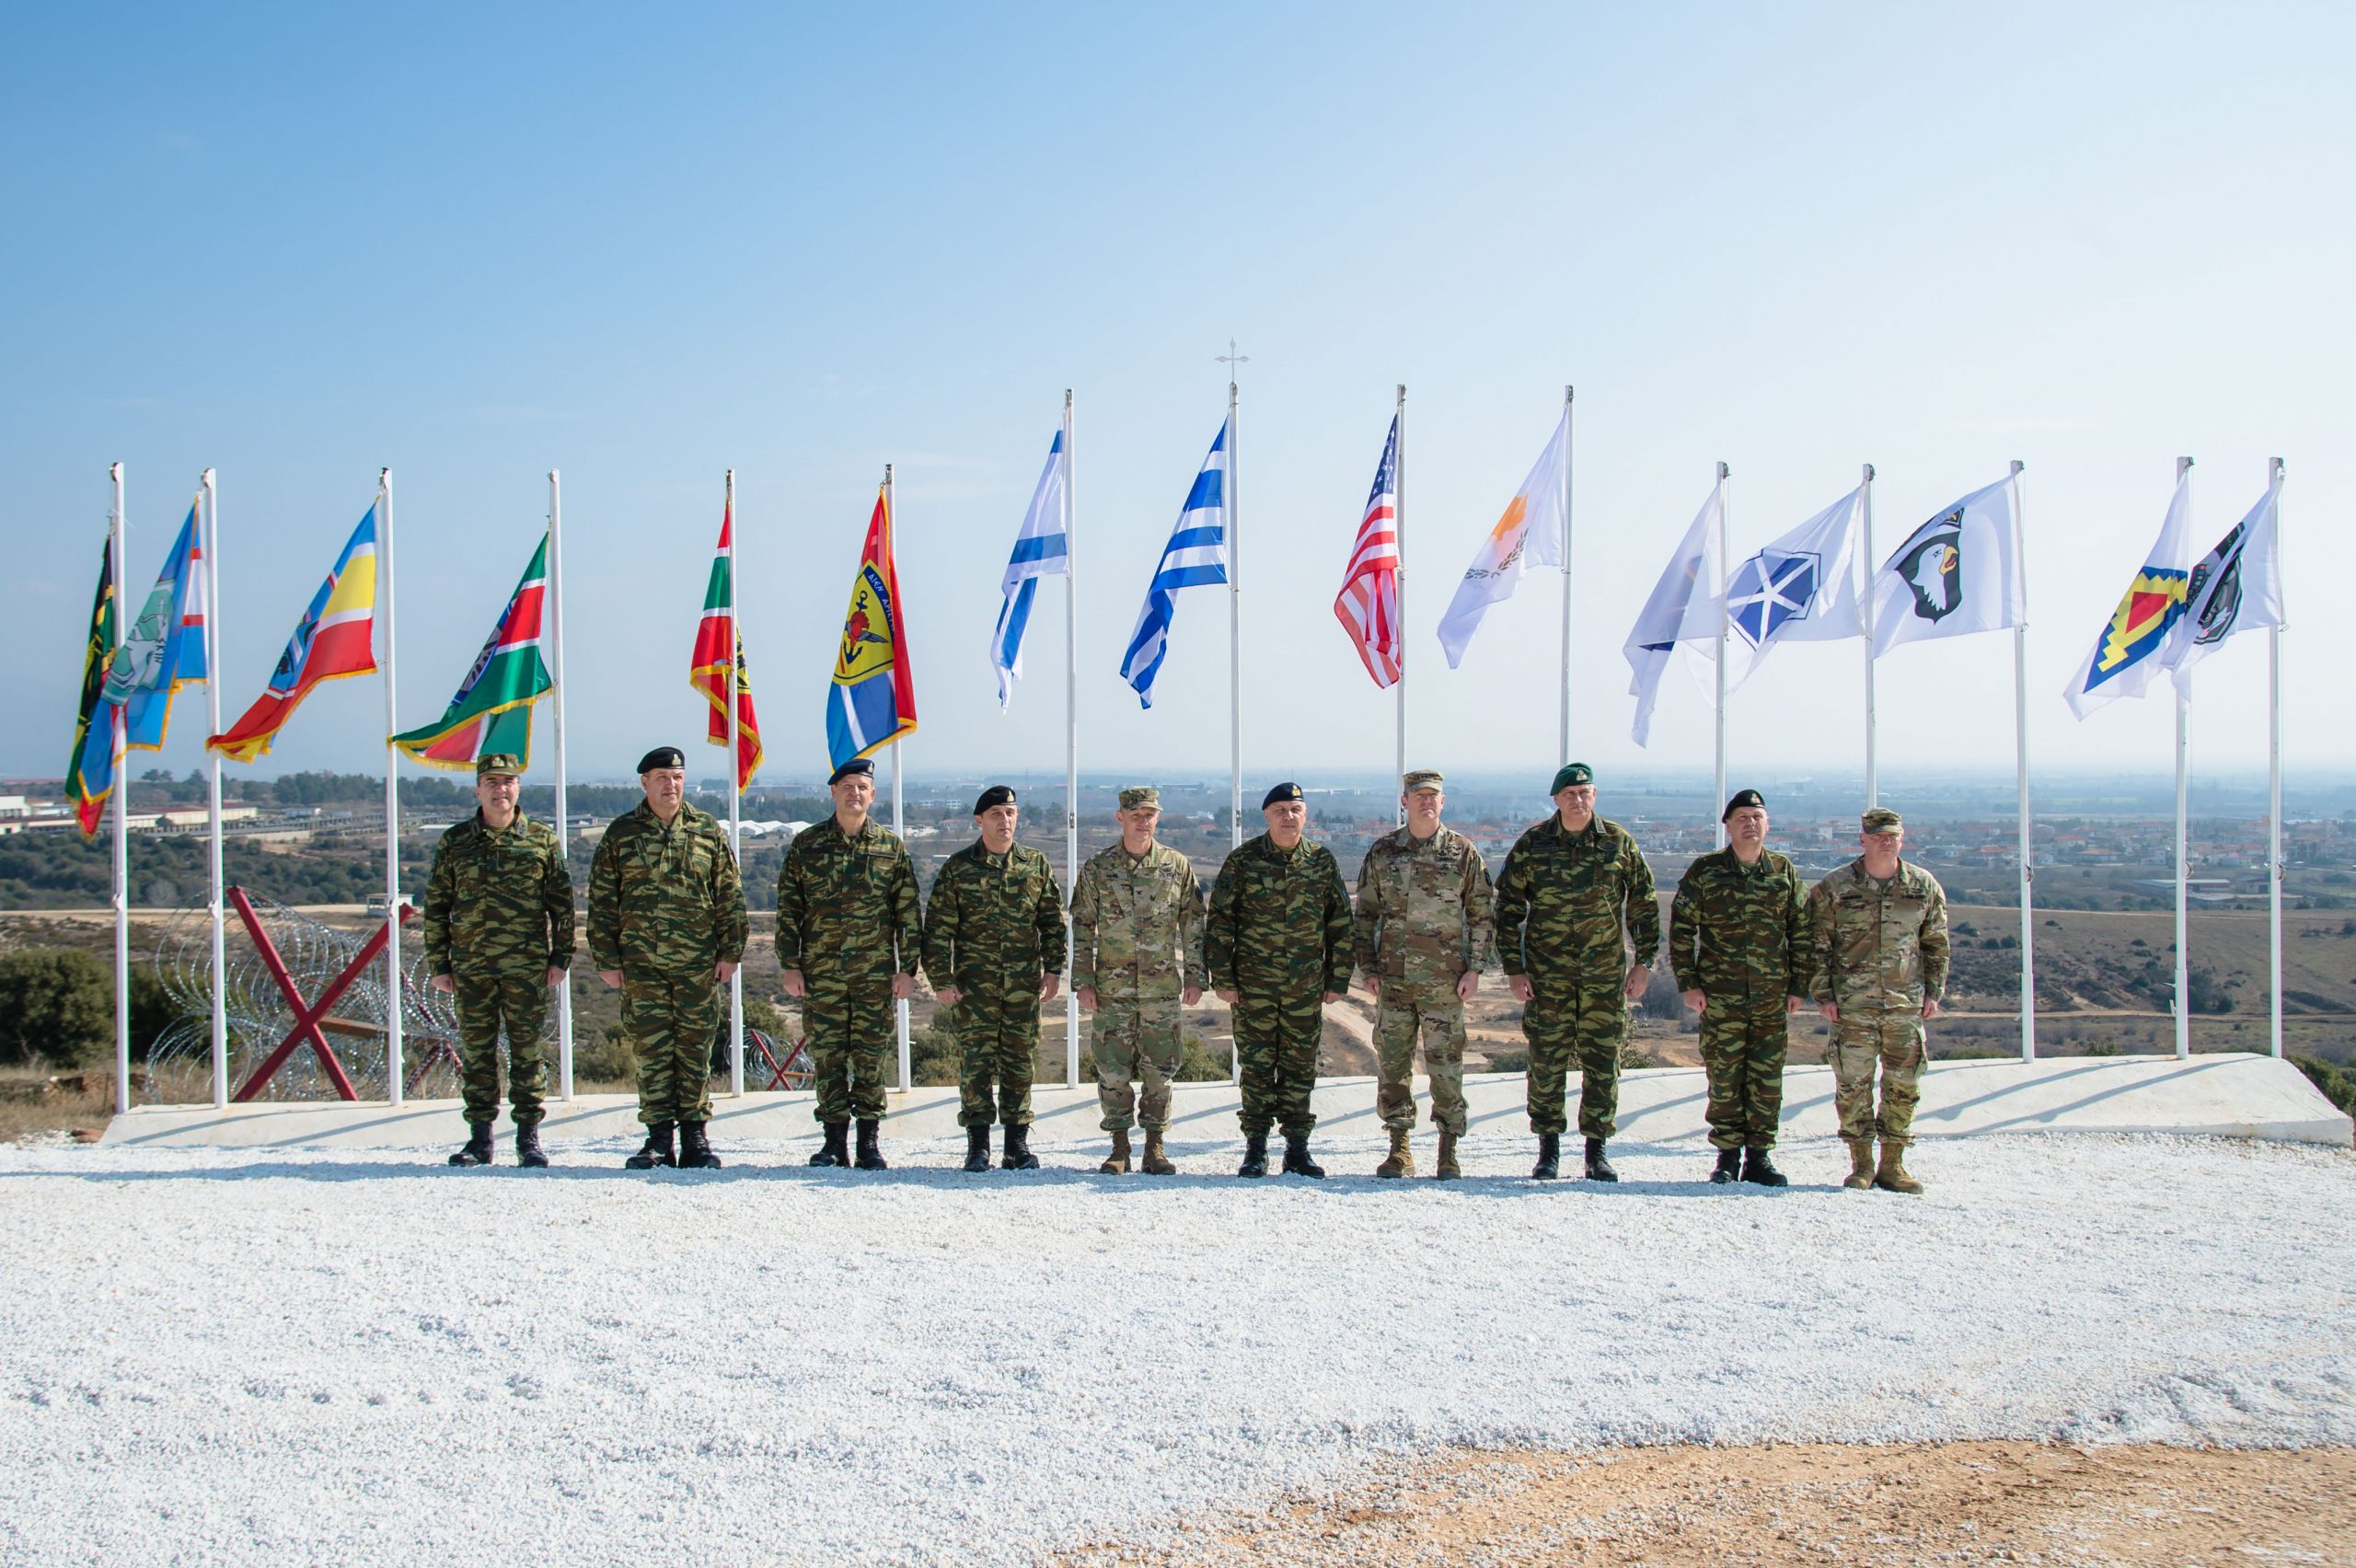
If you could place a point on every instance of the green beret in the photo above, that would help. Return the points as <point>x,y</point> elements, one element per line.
<point>1569,774</point>
<point>1881,819</point>
<point>1420,778</point>
<point>1742,799</point>
<point>1285,792</point>
<point>662,757</point>
<point>996,795</point>
<point>504,762</point>
<point>1141,795</point>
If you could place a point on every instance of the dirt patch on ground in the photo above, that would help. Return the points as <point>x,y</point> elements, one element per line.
<point>1668,1507</point>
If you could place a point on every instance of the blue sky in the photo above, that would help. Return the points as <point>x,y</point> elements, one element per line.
<point>299,244</point>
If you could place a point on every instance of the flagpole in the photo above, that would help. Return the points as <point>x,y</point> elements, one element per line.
<point>899,831</point>
<point>1566,579</point>
<point>393,1085</point>
<point>1234,612</point>
<point>2274,790</point>
<point>1399,577</point>
<point>213,786</point>
<point>563,843</point>
<point>735,791</point>
<point>1718,707</point>
<point>117,537</point>
<point>1071,751</point>
<point>2020,766</point>
<point>2183,889</point>
<point>1872,783</point>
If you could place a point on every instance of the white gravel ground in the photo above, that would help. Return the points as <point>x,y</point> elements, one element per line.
<point>281,1359</point>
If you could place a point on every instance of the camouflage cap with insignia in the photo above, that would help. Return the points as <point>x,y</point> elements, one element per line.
<point>1881,819</point>
<point>1421,779</point>
<point>506,764</point>
<point>1141,795</point>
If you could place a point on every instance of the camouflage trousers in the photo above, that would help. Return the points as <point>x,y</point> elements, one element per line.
<point>487,1004</point>
<point>852,1032</point>
<point>1434,1013</point>
<point>1743,1042</point>
<point>1894,1039</point>
<point>1135,1040</point>
<point>997,1046</point>
<point>1276,1050</point>
<point>671,1020</point>
<point>1584,1023</point>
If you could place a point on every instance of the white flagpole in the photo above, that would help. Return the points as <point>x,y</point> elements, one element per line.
<point>1234,615</point>
<point>2183,889</point>
<point>2020,765</point>
<point>1873,782</point>
<point>1566,579</point>
<point>736,790</point>
<point>899,830</point>
<point>564,842</point>
<point>118,535</point>
<point>1071,752</point>
<point>2274,793</point>
<point>213,786</point>
<point>393,1085</point>
<point>1399,541</point>
<point>1719,707</point>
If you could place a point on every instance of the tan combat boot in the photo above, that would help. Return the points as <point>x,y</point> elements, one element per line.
<point>1861,1165</point>
<point>1156,1162</point>
<point>1448,1170</point>
<point>1117,1162</point>
<point>1403,1159</point>
<point>1892,1177</point>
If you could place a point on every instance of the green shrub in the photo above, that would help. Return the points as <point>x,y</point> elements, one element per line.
<point>2337,1084</point>
<point>56,1007</point>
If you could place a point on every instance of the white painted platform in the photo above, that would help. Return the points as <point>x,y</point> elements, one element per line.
<point>2218,1096</point>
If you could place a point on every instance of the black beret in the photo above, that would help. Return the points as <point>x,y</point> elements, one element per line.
<point>857,768</point>
<point>662,757</point>
<point>1743,797</point>
<point>996,795</point>
<point>1285,792</point>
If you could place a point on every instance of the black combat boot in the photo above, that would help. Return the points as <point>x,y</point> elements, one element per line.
<point>1760,1170</point>
<point>836,1150</point>
<point>1550,1158</point>
<point>695,1149</point>
<point>1018,1147</point>
<point>1598,1167</point>
<point>1729,1168</point>
<point>527,1146</point>
<point>657,1150</point>
<point>1297,1160</point>
<point>478,1149</point>
<point>978,1147</point>
<point>871,1152</point>
<point>1255,1155</point>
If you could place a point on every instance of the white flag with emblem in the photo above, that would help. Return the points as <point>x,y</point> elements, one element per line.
<point>1802,588</point>
<point>2236,587</point>
<point>1958,572</point>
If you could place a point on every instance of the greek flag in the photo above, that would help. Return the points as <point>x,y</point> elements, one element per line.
<point>1196,553</point>
<point>1041,549</point>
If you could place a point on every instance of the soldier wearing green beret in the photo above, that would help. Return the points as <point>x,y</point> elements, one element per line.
<point>1878,936</point>
<point>1576,930</point>
<point>666,929</point>
<point>498,936</point>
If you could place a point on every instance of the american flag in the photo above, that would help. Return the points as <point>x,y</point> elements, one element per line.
<point>1367,604</point>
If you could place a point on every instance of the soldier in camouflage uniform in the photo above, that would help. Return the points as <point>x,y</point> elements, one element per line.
<point>1137,931</point>
<point>1425,930</point>
<point>1277,943</point>
<point>1739,944</point>
<point>498,935</point>
<point>848,936</point>
<point>1577,929</point>
<point>666,927</point>
<point>1877,933</point>
<point>994,950</point>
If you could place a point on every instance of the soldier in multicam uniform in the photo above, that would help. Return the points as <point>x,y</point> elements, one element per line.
<point>1278,941</point>
<point>994,950</point>
<point>1577,929</point>
<point>666,927</point>
<point>498,935</point>
<point>1738,943</point>
<point>1136,930</point>
<point>848,936</point>
<point>1425,930</point>
<point>1878,938</point>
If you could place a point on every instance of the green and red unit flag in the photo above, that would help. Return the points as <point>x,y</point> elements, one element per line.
<point>707,670</point>
<point>493,709</point>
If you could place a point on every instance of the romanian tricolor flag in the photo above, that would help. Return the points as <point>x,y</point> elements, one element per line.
<point>89,777</point>
<point>873,699</point>
<point>708,669</point>
<point>493,709</point>
<point>2127,654</point>
<point>335,638</point>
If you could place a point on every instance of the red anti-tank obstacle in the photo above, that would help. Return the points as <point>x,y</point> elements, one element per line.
<point>307,1014</point>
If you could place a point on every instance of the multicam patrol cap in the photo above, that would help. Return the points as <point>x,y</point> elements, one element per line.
<point>1570,774</point>
<point>1139,796</point>
<point>1421,779</point>
<point>996,795</point>
<point>662,757</point>
<point>506,764</point>
<point>1743,800</point>
<point>1281,793</point>
<point>1881,819</point>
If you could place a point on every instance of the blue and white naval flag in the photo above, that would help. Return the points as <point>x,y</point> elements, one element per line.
<point>1802,588</point>
<point>1196,553</point>
<point>1041,549</point>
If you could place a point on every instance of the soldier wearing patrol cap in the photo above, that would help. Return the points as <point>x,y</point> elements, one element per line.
<point>498,935</point>
<point>994,950</point>
<point>1877,932</point>
<point>1136,934</point>
<point>1739,944</point>
<point>1426,929</point>
<point>666,929</point>
<point>1277,938</point>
